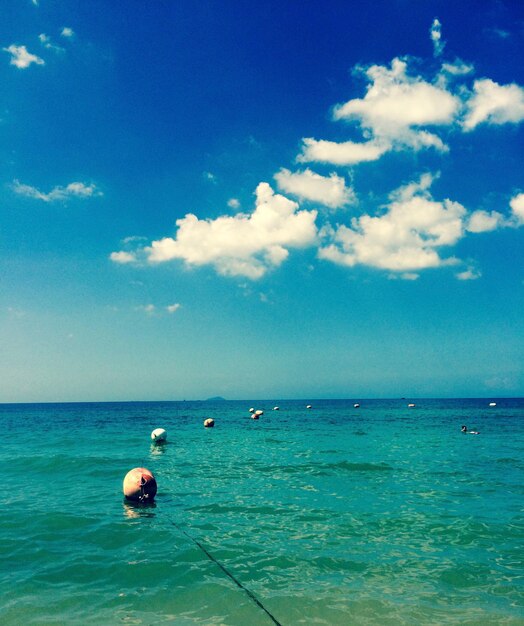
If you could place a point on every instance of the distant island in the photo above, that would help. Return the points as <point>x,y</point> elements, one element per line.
<point>216,399</point>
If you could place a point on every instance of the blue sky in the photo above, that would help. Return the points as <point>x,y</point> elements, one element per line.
<point>261,200</point>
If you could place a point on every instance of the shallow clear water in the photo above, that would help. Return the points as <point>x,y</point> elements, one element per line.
<point>335,515</point>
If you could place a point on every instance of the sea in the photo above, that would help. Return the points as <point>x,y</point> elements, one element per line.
<point>336,514</point>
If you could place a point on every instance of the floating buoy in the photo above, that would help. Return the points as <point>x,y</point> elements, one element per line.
<point>159,435</point>
<point>309,406</point>
<point>140,485</point>
<point>251,410</point>
<point>209,423</point>
<point>492,404</point>
<point>276,408</point>
<point>255,416</point>
<point>259,412</point>
<point>411,405</point>
<point>356,405</point>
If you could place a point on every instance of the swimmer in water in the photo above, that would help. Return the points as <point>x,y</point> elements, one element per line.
<point>465,430</point>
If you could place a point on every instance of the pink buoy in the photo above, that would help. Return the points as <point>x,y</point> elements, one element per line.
<point>140,485</point>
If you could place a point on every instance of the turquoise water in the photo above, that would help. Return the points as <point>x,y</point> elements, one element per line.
<point>335,515</point>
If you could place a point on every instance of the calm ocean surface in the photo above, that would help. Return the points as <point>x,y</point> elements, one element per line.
<point>335,515</point>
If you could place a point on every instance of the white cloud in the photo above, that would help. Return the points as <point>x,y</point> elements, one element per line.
<point>457,68</point>
<point>122,257</point>
<point>329,190</point>
<point>404,239</point>
<point>469,274</point>
<point>172,308</point>
<point>492,103</point>
<point>436,38</point>
<point>482,221</point>
<point>148,309</point>
<point>346,153</point>
<point>45,40</point>
<point>67,32</point>
<point>21,58</point>
<point>233,203</point>
<point>240,245</point>
<point>396,105</point>
<point>73,190</point>
<point>517,207</point>
<point>210,177</point>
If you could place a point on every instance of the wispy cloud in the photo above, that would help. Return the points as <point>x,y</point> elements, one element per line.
<point>21,58</point>
<point>73,190</point>
<point>436,37</point>
<point>173,308</point>
<point>469,274</point>
<point>45,40</point>
<point>67,32</point>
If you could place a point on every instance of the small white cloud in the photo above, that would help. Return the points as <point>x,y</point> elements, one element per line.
<point>346,153</point>
<point>73,190</point>
<point>172,308</point>
<point>492,103</point>
<point>517,207</point>
<point>436,37</point>
<point>457,68</point>
<point>21,58</point>
<point>469,274</point>
<point>482,221</point>
<point>45,40</point>
<point>500,33</point>
<point>148,309</point>
<point>67,32</point>
<point>233,203</point>
<point>122,257</point>
<point>210,177</point>
<point>329,190</point>
<point>404,276</point>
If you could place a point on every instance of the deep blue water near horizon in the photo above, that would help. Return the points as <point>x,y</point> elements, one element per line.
<point>336,515</point>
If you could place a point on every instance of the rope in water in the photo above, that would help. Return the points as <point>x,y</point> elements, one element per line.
<point>228,573</point>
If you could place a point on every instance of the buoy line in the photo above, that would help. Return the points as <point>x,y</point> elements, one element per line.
<point>228,573</point>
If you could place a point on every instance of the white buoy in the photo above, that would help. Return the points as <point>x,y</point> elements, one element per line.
<point>356,405</point>
<point>251,410</point>
<point>209,423</point>
<point>492,404</point>
<point>159,435</point>
<point>411,405</point>
<point>276,408</point>
<point>140,485</point>
<point>259,412</point>
<point>309,406</point>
